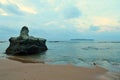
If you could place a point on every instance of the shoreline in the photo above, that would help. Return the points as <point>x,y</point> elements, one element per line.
<point>14,70</point>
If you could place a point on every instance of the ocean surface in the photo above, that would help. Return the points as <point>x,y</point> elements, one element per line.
<point>104,54</point>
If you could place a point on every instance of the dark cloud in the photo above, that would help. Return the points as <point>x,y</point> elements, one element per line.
<point>71,12</point>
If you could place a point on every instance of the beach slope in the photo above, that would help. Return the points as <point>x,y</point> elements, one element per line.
<point>13,70</point>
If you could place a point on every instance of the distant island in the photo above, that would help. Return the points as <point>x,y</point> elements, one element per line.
<point>82,39</point>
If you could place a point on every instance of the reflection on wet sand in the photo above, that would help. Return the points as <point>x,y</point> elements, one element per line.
<point>23,60</point>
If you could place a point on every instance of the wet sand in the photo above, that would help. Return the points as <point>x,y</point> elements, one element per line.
<point>14,70</point>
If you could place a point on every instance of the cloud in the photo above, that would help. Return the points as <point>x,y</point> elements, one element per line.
<point>61,17</point>
<point>106,24</point>
<point>51,1</point>
<point>94,28</point>
<point>22,7</point>
<point>12,9</point>
<point>104,21</point>
<point>15,7</point>
<point>4,2</point>
<point>3,13</point>
<point>96,24</point>
<point>79,24</point>
<point>71,12</point>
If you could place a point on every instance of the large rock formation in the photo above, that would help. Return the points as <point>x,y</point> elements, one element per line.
<point>25,44</point>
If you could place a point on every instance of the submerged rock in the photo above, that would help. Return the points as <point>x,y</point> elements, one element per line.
<point>25,44</point>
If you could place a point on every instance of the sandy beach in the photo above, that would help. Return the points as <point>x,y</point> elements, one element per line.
<point>14,70</point>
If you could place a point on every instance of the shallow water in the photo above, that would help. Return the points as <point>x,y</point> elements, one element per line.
<point>104,54</point>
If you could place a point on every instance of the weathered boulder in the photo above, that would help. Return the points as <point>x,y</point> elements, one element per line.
<point>25,44</point>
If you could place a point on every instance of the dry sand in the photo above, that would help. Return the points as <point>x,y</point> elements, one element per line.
<point>13,70</point>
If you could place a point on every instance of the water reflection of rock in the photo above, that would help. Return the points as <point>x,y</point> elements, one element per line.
<point>28,59</point>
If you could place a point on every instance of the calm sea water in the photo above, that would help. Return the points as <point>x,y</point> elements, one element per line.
<point>104,54</point>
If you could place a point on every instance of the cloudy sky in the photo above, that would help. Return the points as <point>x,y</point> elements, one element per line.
<point>61,19</point>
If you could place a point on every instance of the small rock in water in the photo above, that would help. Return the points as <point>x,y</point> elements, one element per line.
<point>25,44</point>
